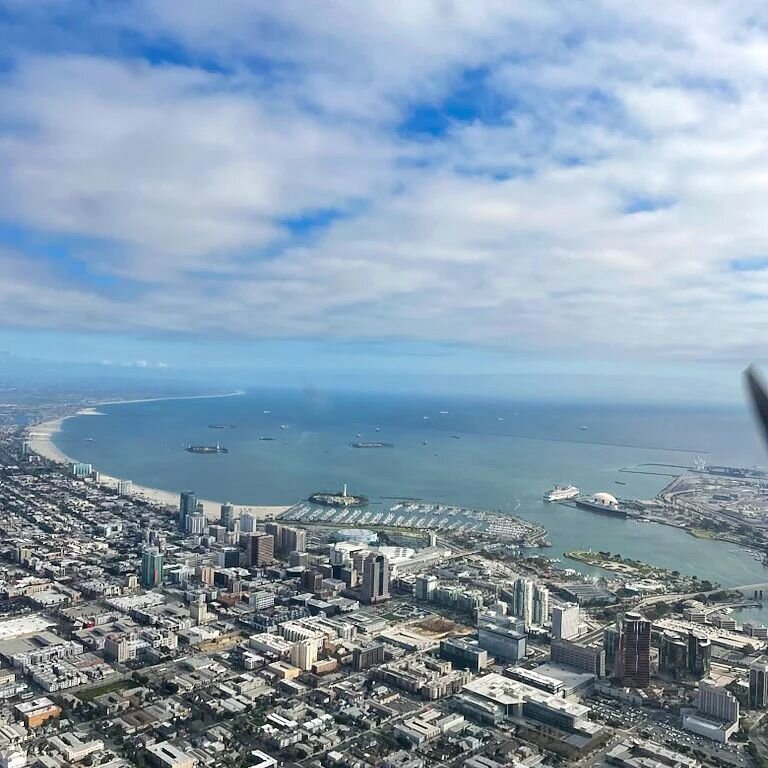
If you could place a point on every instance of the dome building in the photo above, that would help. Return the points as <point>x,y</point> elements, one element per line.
<point>604,503</point>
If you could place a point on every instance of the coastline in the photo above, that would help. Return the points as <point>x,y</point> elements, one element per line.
<point>40,441</point>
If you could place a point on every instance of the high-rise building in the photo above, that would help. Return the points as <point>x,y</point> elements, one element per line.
<point>275,530</point>
<point>229,557</point>
<point>565,621</point>
<point>611,647</point>
<point>673,654</point>
<point>195,521</point>
<point>501,639</point>
<point>151,567</point>
<point>635,651</point>
<point>247,523</point>
<point>304,654</point>
<point>293,540</point>
<point>198,610</point>
<point>464,654</point>
<point>364,657</point>
<point>312,581</point>
<point>81,469</point>
<point>424,587</point>
<point>524,600</point>
<point>227,516</point>
<point>717,703</point>
<point>581,657</point>
<point>124,487</point>
<point>187,506</point>
<point>261,549</point>
<point>758,683</point>
<point>699,654</point>
<point>540,605</point>
<point>375,578</point>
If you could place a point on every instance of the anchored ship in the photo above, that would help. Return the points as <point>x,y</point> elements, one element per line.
<point>561,493</point>
<point>206,449</point>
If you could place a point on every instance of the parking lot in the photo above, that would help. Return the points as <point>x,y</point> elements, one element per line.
<point>665,728</point>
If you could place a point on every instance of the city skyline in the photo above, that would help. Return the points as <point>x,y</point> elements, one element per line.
<point>478,190</point>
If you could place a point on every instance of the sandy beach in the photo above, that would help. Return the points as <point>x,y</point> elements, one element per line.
<point>40,441</point>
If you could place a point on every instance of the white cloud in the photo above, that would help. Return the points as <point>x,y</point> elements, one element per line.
<point>509,228</point>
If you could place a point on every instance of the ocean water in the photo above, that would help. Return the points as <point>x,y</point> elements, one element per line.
<point>479,453</point>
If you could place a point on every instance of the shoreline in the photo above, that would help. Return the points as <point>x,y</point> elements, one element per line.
<point>40,441</point>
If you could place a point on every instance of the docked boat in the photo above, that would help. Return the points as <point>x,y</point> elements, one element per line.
<point>604,504</point>
<point>561,493</point>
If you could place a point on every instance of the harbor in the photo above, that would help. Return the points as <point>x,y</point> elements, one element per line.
<point>456,520</point>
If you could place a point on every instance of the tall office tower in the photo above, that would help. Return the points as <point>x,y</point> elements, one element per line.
<point>635,651</point>
<point>540,605</point>
<point>261,549</point>
<point>187,506</point>
<point>375,578</point>
<point>424,587</point>
<point>358,558</point>
<point>565,621</point>
<point>275,530</point>
<point>227,516</point>
<point>312,581</point>
<point>293,540</point>
<point>673,654</point>
<point>524,601</point>
<point>611,647</point>
<point>758,683</point>
<point>717,702</point>
<point>198,610</point>
<point>304,654</point>
<point>699,654</point>
<point>151,567</point>
<point>247,523</point>
<point>229,557</point>
<point>196,520</point>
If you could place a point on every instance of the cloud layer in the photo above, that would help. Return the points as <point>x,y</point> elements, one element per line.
<point>537,176</point>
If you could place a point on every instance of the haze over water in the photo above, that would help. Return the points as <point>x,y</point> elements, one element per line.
<point>506,456</point>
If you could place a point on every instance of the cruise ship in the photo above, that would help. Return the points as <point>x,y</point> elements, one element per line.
<point>562,493</point>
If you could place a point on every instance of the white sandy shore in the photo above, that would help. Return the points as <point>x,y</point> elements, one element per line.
<point>40,440</point>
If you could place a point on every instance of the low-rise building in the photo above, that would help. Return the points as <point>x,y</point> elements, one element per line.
<point>166,755</point>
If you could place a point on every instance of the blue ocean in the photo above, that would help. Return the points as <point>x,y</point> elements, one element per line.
<point>488,454</point>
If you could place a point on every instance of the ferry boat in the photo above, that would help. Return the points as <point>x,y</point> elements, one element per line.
<point>561,493</point>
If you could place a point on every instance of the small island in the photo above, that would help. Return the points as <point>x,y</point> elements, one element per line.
<point>338,499</point>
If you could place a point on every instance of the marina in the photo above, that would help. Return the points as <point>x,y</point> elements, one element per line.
<point>320,509</point>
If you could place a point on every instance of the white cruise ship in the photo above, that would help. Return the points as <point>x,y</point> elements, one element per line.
<point>562,493</point>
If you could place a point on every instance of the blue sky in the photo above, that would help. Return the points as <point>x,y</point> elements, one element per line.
<point>483,194</point>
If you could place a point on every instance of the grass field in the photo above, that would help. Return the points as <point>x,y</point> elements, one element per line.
<point>117,685</point>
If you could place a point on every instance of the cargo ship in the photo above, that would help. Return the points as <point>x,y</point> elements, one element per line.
<point>206,449</point>
<point>604,504</point>
<point>561,493</point>
<point>369,444</point>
